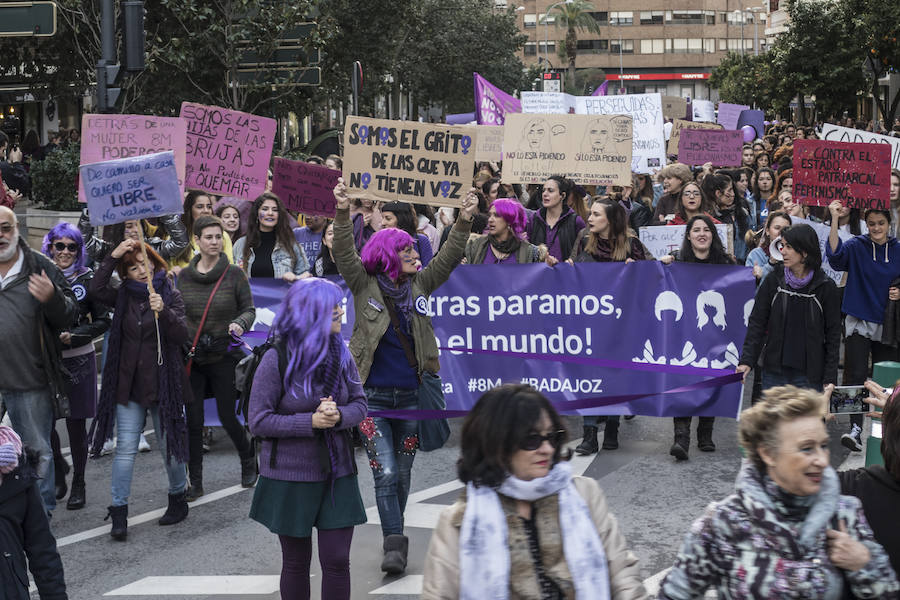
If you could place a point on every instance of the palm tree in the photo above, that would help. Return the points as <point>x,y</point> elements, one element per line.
<point>573,16</point>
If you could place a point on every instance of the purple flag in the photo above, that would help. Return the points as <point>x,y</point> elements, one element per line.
<point>601,89</point>
<point>460,118</point>
<point>492,103</point>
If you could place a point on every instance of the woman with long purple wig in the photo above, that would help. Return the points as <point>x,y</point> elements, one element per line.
<point>65,246</point>
<point>504,241</point>
<point>394,347</point>
<point>306,398</point>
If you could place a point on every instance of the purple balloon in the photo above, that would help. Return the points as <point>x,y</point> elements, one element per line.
<point>749,133</point>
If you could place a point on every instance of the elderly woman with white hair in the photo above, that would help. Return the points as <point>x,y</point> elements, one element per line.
<point>786,531</point>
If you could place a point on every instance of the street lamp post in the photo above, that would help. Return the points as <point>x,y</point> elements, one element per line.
<point>755,10</point>
<point>547,27</point>
<point>740,14</point>
<point>621,66</point>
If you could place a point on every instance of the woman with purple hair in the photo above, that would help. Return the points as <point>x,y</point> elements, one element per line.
<point>505,237</point>
<point>394,347</point>
<point>65,246</point>
<point>306,397</point>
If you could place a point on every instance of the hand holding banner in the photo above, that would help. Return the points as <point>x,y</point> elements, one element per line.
<point>137,187</point>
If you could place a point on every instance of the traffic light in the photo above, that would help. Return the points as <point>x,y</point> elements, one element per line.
<point>133,34</point>
<point>107,96</point>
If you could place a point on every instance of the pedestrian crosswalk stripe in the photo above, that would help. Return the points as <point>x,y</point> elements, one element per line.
<point>206,585</point>
<point>411,585</point>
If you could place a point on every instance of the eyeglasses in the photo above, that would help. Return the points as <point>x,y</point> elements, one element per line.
<point>533,441</point>
<point>73,248</point>
<point>6,228</point>
<point>691,194</point>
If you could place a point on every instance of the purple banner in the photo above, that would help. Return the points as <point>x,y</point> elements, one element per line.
<point>601,89</point>
<point>755,119</point>
<point>461,118</point>
<point>492,103</point>
<point>655,340</point>
<point>717,146</point>
<point>729,114</point>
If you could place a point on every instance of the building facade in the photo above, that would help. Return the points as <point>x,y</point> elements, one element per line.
<point>665,46</point>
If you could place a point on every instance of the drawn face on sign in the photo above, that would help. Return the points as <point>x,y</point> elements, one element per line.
<point>65,251</point>
<point>596,137</point>
<point>536,135</point>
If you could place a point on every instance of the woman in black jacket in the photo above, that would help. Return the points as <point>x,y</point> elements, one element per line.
<point>796,318</point>
<point>24,528</point>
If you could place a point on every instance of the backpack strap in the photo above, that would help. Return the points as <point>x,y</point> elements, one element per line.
<point>404,340</point>
<point>278,345</point>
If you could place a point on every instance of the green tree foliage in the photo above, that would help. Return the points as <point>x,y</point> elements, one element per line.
<point>878,31</point>
<point>573,17</point>
<point>749,80</point>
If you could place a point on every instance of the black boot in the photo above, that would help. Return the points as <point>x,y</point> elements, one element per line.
<point>77,497</point>
<point>588,443</point>
<point>682,438</point>
<point>119,516</point>
<point>195,489</point>
<point>611,434</point>
<point>177,511</point>
<point>704,434</point>
<point>395,551</point>
<point>249,471</point>
<point>60,469</point>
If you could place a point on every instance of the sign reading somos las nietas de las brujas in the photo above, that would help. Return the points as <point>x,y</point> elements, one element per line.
<point>859,175</point>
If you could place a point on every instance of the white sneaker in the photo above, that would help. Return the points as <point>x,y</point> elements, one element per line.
<point>143,445</point>
<point>853,440</point>
<point>108,447</point>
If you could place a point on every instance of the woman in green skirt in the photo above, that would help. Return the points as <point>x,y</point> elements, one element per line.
<point>306,398</point>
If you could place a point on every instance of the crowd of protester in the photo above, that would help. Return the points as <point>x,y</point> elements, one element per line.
<point>162,292</point>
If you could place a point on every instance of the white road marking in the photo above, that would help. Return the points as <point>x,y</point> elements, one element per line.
<point>410,585</point>
<point>211,585</point>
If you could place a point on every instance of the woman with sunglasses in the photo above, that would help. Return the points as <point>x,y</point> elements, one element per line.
<point>525,527</point>
<point>65,246</point>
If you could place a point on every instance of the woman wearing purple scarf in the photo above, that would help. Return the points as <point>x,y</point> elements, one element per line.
<point>796,318</point>
<point>144,373</point>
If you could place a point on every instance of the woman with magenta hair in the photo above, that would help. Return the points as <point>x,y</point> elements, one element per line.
<point>306,398</point>
<point>65,246</point>
<point>394,347</point>
<point>505,241</point>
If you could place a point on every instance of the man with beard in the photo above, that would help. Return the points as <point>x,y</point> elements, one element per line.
<point>32,291</point>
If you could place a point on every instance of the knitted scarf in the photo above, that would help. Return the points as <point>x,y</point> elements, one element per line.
<point>795,282</point>
<point>169,375</point>
<point>328,373</point>
<point>400,293</point>
<point>507,246</point>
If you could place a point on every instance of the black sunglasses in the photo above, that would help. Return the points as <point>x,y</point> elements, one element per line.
<point>533,441</point>
<point>60,246</point>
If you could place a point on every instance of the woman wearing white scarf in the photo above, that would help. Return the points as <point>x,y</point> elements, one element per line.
<point>525,528</point>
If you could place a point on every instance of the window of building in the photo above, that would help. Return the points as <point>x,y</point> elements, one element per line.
<point>690,17</point>
<point>709,45</point>
<point>547,48</point>
<point>652,17</point>
<point>551,19</point>
<point>627,46</point>
<point>656,88</point>
<point>530,49</point>
<point>530,20</point>
<point>602,17</point>
<point>735,45</point>
<point>684,45</point>
<point>621,18</point>
<point>652,46</point>
<point>592,46</point>
<point>687,90</point>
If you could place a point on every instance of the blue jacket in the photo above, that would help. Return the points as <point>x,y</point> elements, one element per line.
<point>870,269</point>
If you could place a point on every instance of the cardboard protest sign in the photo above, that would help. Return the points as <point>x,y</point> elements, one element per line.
<point>720,147</point>
<point>729,114</point>
<point>408,161</point>
<point>673,107</point>
<point>137,187</point>
<point>680,124</point>
<point>489,144</point>
<point>304,187</point>
<point>755,119</point>
<point>663,239</point>
<point>108,137</point>
<point>845,134</point>
<point>648,154</point>
<point>591,150</point>
<point>228,151</point>
<point>704,110</point>
<point>859,175</point>
<point>548,103</point>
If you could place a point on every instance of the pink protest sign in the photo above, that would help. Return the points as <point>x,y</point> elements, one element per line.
<point>228,151</point>
<point>112,137</point>
<point>859,175</point>
<point>717,146</point>
<point>304,187</point>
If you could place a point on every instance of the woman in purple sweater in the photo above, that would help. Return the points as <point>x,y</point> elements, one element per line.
<point>306,398</point>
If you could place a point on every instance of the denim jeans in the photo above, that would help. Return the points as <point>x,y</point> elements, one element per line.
<point>31,415</point>
<point>788,376</point>
<point>391,445</point>
<point>129,425</point>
